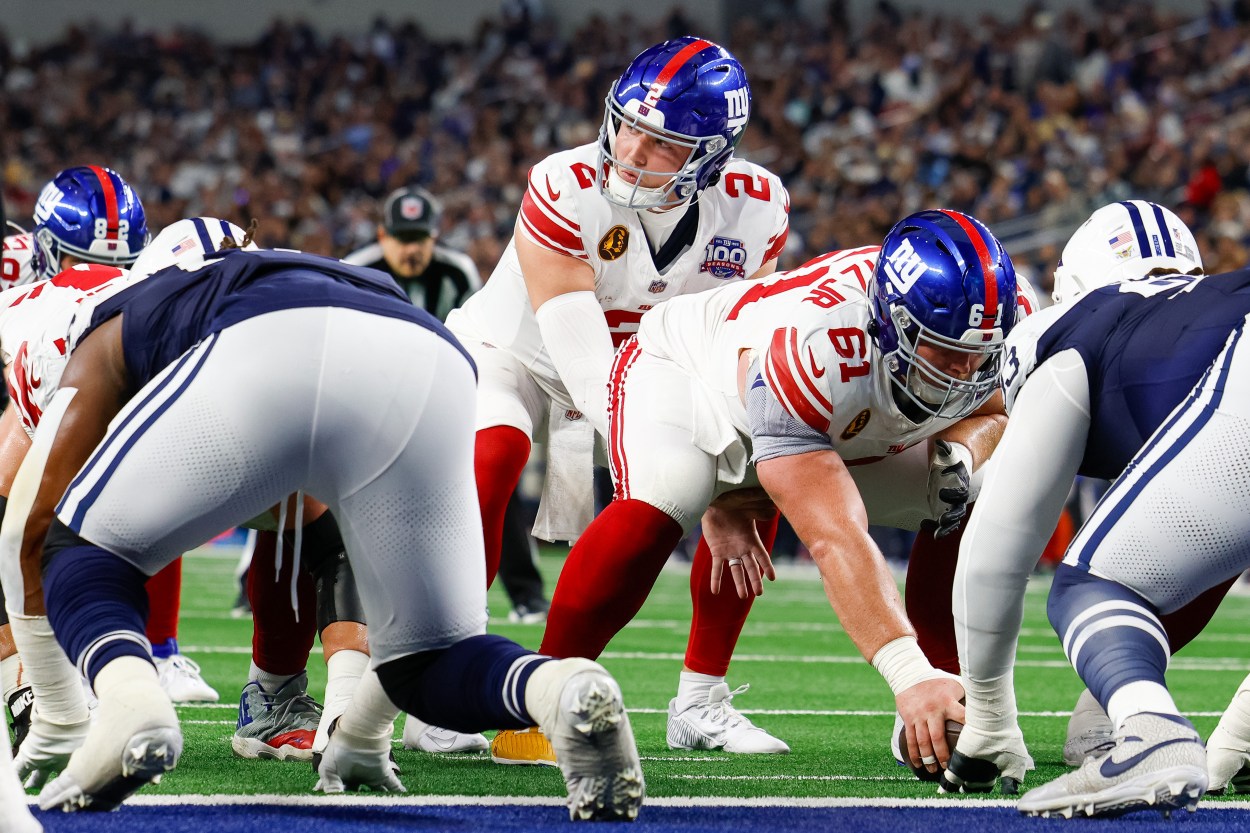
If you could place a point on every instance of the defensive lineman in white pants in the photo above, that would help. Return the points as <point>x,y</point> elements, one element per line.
<point>331,410</point>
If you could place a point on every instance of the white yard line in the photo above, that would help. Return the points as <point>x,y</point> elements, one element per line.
<point>554,801</point>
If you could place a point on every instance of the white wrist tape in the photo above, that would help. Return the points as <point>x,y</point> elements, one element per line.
<point>576,336</point>
<point>53,678</point>
<point>371,714</point>
<point>903,665</point>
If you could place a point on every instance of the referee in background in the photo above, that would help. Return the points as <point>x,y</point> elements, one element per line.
<point>438,280</point>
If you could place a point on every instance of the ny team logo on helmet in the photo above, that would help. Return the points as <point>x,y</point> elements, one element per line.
<point>688,92</point>
<point>1123,241</point>
<point>91,213</point>
<point>945,283</point>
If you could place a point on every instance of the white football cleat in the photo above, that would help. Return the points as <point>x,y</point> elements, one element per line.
<point>180,677</point>
<point>133,742</point>
<point>716,724</point>
<point>581,712</point>
<point>425,737</point>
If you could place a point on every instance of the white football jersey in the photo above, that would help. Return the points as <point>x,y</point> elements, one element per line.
<point>742,225</point>
<point>38,330</point>
<point>17,267</point>
<point>809,329</point>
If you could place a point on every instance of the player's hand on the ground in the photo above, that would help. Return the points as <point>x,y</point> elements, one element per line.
<point>734,541</point>
<point>950,479</point>
<point>47,748</point>
<point>982,758</point>
<point>349,763</point>
<point>925,708</point>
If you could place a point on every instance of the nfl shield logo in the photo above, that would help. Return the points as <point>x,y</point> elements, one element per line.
<point>411,208</point>
<point>657,286</point>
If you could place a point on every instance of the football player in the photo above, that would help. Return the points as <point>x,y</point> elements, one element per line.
<point>858,388</point>
<point>86,214</point>
<point>656,208</point>
<point>33,321</point>
<point>1142,377</point>
<point>396,472</point>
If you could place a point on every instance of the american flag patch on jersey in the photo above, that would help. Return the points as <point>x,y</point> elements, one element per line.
<point>185,246</point>
<point>1120,239</point>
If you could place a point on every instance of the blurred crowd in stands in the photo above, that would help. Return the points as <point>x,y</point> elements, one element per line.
<point>1028,122</point>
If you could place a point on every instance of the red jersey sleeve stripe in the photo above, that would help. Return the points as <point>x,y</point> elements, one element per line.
<point>536,195</point>
<point>789,388</point>
<point>546,232</point>
<point>110,201</point>
<point>776,244</point>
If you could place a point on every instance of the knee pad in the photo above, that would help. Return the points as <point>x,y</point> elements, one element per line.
<point>338,600</point>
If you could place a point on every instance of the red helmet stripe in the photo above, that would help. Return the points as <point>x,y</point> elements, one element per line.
<point>110,200</point>
<point>987,268</point>
<point>677,61</point>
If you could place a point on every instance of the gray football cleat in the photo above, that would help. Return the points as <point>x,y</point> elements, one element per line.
<point>1089,731</point>
<point>1158,762</point>
<point>280,725</point>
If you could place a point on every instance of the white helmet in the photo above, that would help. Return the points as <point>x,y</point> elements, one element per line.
<point>185,243</point>
<point>1121,241</point>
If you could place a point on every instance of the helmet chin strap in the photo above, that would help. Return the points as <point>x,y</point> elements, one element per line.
<point>627,193</point>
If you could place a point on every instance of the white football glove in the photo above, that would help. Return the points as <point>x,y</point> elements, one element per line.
<point>981,758</point>
<point>349,763</point>
<point>47,748</point>
<point>950,479</point>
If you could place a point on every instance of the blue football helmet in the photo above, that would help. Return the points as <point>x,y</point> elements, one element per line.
<point>944,300</point>
<point>91,213</point>
<point>688,92</point>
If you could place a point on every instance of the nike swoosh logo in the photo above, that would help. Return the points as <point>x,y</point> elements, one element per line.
<point>1111,768</point>
<point>554,195</point>
<point>817,370</point>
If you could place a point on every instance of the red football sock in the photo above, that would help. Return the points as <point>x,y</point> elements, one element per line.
<point>607,576</point>
<point>1184,624</point>
<point>498,459</point>
<point>164,600</point>
<point>718,619</point>
<point>927,593</point>
<point>280,644</point>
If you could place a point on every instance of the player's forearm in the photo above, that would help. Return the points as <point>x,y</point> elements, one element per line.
<point>861,590</point>
<point>576,336</point>
<point>979,433</point>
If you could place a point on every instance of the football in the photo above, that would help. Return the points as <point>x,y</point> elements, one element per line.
<point>953,729</point>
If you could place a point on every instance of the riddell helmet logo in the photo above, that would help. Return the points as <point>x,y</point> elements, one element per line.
<point>858,424</point>
<point>614,243</point>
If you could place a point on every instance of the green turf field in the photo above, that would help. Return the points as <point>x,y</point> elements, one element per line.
<point>808,686</point>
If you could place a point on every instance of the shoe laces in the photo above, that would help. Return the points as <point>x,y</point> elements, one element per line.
<point>177,665</point>
<point>721,711</point>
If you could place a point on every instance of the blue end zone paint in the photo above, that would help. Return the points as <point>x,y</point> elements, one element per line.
<point>514,819</point>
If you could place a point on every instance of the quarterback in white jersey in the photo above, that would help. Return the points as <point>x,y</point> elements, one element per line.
<point>812,384</point>
<point>739,227</point>
<point>656,208</point>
